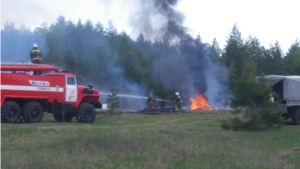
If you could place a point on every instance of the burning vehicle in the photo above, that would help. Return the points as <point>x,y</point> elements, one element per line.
<point>154,105</point>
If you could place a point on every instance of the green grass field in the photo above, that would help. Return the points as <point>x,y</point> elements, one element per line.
<point>184,140</point>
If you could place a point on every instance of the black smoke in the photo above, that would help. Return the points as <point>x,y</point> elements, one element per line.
<point>191,72</point>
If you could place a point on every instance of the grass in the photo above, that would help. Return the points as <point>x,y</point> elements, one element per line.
<point>186,140</point>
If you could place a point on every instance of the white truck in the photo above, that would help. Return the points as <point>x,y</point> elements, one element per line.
<point>286,91</point>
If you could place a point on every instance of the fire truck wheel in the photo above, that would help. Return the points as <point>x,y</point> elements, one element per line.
<point>58,117</point>
<point>10,112</point>
<point>86,113</point>
<point>68,117</point>
<point>32,112</point>
<point>296,117</point>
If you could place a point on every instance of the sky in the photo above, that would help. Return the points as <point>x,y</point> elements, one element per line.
<point>267,20</point>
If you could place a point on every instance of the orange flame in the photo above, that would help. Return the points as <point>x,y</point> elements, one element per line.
<point>200,103</point>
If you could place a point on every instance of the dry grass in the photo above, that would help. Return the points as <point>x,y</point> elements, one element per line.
<point>188,140</point>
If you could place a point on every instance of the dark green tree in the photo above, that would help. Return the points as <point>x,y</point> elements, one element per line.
<point>276,64</point>
<point>252,93</point>
<point>214,51</point>
<point>113,102</point>
<point>234,54</point>
<point>256,52</point>
<point>292,59</point>
<point>56,42</point>
<point>247,91</point>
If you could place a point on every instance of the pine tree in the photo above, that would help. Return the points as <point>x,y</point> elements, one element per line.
<point>256,52</point>
<point>292,59</point>
<point>277,66</point>
<point>113,102</point>
<point>214,51</point>
<point>253,94</point>
<point>234,54</point>
<point>247,91</point>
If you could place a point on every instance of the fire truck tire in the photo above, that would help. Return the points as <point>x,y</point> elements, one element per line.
<point>58,117</point>
<point>32,112</point>
<point>296,117</point>
<point>86,113</point>
<point>10,112</point>
<point>68,117</point>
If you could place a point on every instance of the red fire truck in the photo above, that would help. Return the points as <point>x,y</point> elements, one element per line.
<point>29,90</point>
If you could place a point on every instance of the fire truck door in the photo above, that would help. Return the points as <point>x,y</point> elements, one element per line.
<point>71,89</point>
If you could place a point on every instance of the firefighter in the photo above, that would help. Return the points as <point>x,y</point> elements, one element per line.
<point>177,101</point>
<point>35,54</point>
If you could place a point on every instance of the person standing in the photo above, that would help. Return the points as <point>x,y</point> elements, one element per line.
<point>177,101</point>
<point>35,54</point>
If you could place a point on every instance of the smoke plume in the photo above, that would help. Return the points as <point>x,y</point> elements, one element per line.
<point>191,72</point>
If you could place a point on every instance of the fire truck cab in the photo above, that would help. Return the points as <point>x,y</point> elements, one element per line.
<point>29,90</point>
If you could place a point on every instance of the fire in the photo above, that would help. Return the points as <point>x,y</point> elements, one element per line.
<point>200,103</point>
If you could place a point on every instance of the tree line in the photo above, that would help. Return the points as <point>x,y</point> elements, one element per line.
<point>272,60</point>
<point>110,58</point>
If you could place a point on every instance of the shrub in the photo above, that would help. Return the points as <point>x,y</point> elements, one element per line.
<point>253,94</point>
<point>113,102</point>
<point>269,117</point>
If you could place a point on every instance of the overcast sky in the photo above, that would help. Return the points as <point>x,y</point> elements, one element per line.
<point>268,20</point>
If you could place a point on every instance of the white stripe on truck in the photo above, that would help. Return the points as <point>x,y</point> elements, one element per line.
<point>32,88</point>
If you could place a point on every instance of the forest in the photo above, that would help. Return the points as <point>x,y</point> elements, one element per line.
<point>173,62</point>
